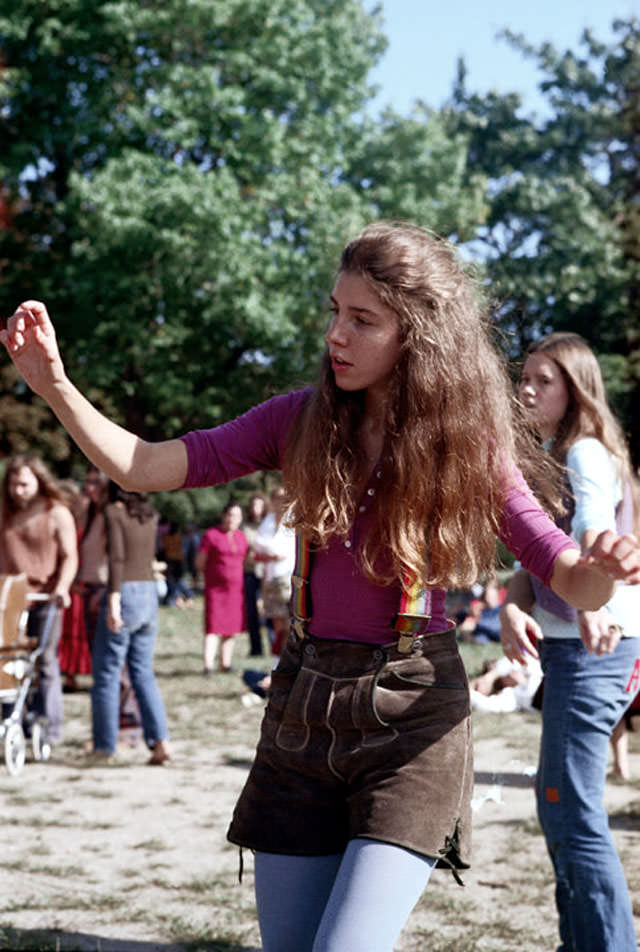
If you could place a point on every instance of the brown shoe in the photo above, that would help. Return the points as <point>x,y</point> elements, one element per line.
<point>160,754</point>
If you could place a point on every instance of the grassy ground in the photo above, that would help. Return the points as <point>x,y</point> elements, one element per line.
<point>130,858</point>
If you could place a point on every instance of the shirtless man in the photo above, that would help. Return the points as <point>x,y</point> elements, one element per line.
<point>38,537</point>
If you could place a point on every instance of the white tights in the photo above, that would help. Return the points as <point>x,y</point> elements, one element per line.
<point>358,900</point>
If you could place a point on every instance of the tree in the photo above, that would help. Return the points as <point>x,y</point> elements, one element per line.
<point>158,152</point>
<point>187,174</point>
<point>562,239</point>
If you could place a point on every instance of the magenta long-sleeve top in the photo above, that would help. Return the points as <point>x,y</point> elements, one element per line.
<point>347,605</point>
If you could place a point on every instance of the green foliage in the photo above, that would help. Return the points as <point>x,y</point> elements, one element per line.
<point>562,240</point>
<point>416,169</point>
<point>179,180</point>
<point>202,507</point>
<point>26,425</point>
<point>189,507</point>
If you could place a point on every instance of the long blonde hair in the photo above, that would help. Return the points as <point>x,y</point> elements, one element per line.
<point>449,427</point>
<point>588,412</point>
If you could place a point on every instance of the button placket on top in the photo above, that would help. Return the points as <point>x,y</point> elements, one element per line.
<point>365,502</point>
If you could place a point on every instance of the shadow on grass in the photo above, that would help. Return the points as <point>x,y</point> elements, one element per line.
<point>627,819</point>
<point>244,762</point>
<point>53,940</point>
<point>171,674</point>
<point>504,779</point>
<point>213,695</point>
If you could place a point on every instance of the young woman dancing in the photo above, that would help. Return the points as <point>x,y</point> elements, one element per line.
<point>590,659</point>
<point>398,466</point>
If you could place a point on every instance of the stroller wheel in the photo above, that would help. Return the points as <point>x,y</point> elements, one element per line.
<point>14,748</point>
<point>40,744</point>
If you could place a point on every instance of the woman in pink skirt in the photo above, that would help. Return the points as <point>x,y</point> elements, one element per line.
<point>220,558</point>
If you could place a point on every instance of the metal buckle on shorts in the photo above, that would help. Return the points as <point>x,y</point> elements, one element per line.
<point>409,643</point>
<point>405,643</point>
<point>297,627</point>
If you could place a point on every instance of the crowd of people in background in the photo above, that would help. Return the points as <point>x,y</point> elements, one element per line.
<point>87,553</point>
<point>242,568</point>
<point>99,560</point>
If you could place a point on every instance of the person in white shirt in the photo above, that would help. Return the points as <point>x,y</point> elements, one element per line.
<point>275,547</point>
<point>591,660</point>
<point>506,686</point>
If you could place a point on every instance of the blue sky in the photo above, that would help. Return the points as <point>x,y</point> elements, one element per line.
<point>427,36</point>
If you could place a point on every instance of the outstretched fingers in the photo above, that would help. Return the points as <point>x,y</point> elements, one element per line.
<point>616,556</point>
<point>30,317</point>
<point>38,314</point>
<point>30,340</point>
<point>36,319</point>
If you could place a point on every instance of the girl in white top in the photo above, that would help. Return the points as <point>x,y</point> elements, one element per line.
<point>591,660</point>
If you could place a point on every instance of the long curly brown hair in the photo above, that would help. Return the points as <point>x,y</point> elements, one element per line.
<point>450,427</point>
<point>588,412</point>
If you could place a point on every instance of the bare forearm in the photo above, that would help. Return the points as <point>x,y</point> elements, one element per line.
<point>130,461</point>
<point>67,572</point>
<point>579,584</point>
<point>108,446</point>
<point>519,591</point>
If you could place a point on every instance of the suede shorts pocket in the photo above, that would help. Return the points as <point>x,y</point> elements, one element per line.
<point>421,686</point>
<point>283,678</point>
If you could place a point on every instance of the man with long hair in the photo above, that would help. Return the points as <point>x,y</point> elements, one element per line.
<point>38,537</point>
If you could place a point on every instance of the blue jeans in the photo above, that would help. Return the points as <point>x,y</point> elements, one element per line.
<point>251,595</point>
<point>49,695</point>
<point>133,644</point>
<point>584,698</point>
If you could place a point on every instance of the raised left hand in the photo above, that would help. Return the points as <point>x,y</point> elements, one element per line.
<point>30,340</point>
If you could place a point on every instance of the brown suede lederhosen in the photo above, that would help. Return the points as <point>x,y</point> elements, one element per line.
<point>363,740</point>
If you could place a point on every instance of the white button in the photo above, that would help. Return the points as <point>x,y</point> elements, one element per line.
<point>348,543</point>
<point>362,508</point>
<point>379,474</point>
<point>371,492</point>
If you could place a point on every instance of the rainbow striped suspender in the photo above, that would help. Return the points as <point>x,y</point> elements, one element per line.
<point>300,588</point>
<point>414,609</point>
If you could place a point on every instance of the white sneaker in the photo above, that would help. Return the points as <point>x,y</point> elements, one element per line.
<point>249,700</point>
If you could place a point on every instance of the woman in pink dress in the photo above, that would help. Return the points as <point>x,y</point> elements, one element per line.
<point>220,558</point>
<point>74,655</point>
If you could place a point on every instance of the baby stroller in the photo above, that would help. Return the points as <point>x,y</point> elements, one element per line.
<point>19,675</point>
